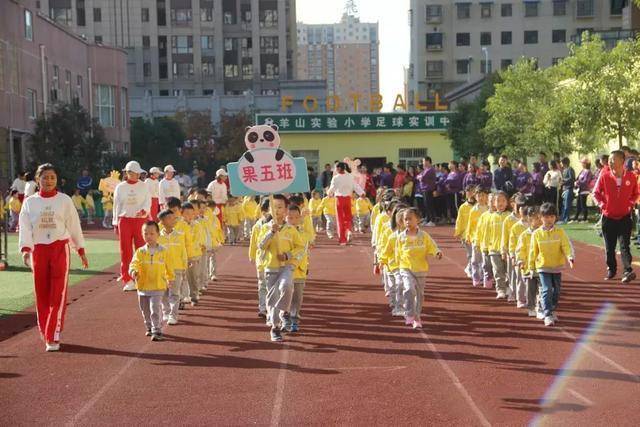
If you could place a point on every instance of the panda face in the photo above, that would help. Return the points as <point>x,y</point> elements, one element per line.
<point>262,136</point>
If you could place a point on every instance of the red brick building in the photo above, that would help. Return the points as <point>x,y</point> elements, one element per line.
<point>41,63</point>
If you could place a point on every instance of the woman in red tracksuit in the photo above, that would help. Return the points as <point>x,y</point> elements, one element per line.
<point>48,220</point>
<point>131,207</point>
<point>343,185</point>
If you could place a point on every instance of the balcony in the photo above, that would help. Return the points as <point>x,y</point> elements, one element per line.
<point>434,14</point>
<point>610,37</point>
<point>434,41</point>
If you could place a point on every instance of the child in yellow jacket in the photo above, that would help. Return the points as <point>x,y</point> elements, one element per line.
<point>14,205</point>
<point>462,220</point>
<point>480,271</point>
<point>531,280</point>
<point>250,213</point>
<point>315,207</point>
<point>217,238</point>
<point>150,271</point>
<point>550,249</point>
<point>233,220</point>
<point>256,255</point>
<point>329,212</point>
<point>414,246</point>
<point>494,224</point>
<point>363,213</point>
<point>510,234</point>
<point>292,320</point>
<point>389,259</point>
<point>195,244</point>
<point>174,242</point>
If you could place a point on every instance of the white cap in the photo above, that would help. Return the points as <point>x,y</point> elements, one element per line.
<point>133,166</point>
<point>221,172</point>
<point>169,168</point>
<point>155,170</point>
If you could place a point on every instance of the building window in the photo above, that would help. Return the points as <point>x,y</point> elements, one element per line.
<point>584,9</point>
<point>105,107</point>
<point>206,42</point>
<point>162,15</point>
<point>163,70</point>
<point>79,88</point>
<point>411,156</point>
<point>268,18</point>
<point>559,36</point>
<point>485,10</point>
<point>124,114</point>
<point>146,69</point>
<point>182,70</point>
<point>531,9</point>
<point>80,13</point>
<point>505,63</point>
<point>269,45</point>
<point>231,70</point>
<point>28,25</point>
<point>462,66</point>
<point>207,92</point>
<point>616,7</point>
<point>181,16</point>
<point>31,104</point>
<point>97,39</point>
<point>97,14</point>
<point>434,13</point>
<point>163,92</point>
<point>506,10</point>
<point>61,15</point>
<point>67,86</point>
<point>146,42</point>
<point>530,37</point>
<point>247,71</point>
<point>505,37</point>
<point>556,61</point>
<point>312,157</point>
<point>181,44</point>
<point>269,71</point>
<point>207,67</point>
<point>246,47</point>
<point>485,39</point>
<point>206,12</point>
<point>463,39</point>
<point>559,7</point>
<point>463,10</point>
<point>434,41</point>
<point>144,13</point>
<point>229,44</point>
<point>435,68</point>
<point>485,67</point>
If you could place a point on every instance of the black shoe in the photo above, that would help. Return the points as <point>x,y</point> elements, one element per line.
<point>148,333</point>
<point>628,277</point>
<point>276,335</point>
<point>610,275</point>
<point>262,315</point>
<point>157,337</point>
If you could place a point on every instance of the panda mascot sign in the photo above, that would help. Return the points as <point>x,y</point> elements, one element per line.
<point>266,168</point>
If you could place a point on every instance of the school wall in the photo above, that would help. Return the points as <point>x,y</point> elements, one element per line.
<point>337,146</point>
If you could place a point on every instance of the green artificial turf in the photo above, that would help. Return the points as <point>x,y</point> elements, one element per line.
<point>16,283</point>
<point>586,233</point>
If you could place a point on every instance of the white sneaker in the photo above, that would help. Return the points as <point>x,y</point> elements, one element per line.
<point>129,286</point>
<point>539,315</point>
<point>521,305</point>
<point>397,312</point>
<point>555,317</point>
<point>501,295</point>
<point>165,317</point>
<point>548,321</point>
<point>52,346</point>
<point>532,313</point>
<point>430,224</point>
<point>214,278</point>
<point>172,321</point>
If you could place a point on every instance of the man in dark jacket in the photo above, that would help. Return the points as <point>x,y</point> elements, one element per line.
<point>503,176</point>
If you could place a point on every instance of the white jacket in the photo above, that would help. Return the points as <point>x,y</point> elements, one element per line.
<point>44,220</point>
<point>153,186</point>
<point>218,192</point>
<point>343,185</point>
<point>129,199</point>
<point>168,188</point>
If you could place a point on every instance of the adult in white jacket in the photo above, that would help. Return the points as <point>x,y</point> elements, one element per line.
<point>343,185</point>
<point>169,186</point>
<point>219,192</point>
<point>153,185</point>
<point>131,206</point>
<point>48,221</point>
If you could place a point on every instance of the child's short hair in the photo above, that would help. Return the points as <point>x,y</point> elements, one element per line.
<point>264,205</point>
<point>533,211</point>
<point>471,188</point>
<point>400,207</point>
<point>520,200</point>
<point>548,209</point>
<point>152,224</point>
<point>173,202</point>
<point>314,192</point>
<point>293,208</point>
<point>296,200</point>
<point>211,203</point>
<point>203,192</point>
<point>187,205</point>
<point>481,190</point>
<point>165,213</point>
<point>14,192</point>
<point>281,197</point>
<point>414,211</point>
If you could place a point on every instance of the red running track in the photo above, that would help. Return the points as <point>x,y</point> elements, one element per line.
<point>478,361</point>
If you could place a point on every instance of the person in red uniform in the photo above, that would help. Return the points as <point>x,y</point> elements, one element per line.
<point>48,222</point>
<point>131,207</point>
<point>343,185</point>
<point>616,193</point>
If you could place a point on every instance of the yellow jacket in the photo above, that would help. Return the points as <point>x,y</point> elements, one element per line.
<point>256,255</point>
<point>286,241</point>
<point>508,222</point>
<point>315,207</point>
<point>383,221</point>
<point>176,248</point>
<point>185,229</point>
<point>308,229</point>
<point>249,208</point>
<point>233,215</point>
<point>522,250</point>
<point>472,225</point>
<point>413,251</point>
<point>389,255</point>
<point>374,214</point>
<point>462,220</point>
<point>302,267</point>
<point>194,250</point>
<point>329,205</point>
<point>363,206</point>
<point>107,201</point>
<point>383,238</point>
<point>214,228</point>
<point>151,267</point>
<point>78,201</point>
<point>514,234</point>
<point>549,250</point>
<point>494,231</point>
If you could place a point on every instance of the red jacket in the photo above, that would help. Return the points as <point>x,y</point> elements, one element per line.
<point>616,203</point>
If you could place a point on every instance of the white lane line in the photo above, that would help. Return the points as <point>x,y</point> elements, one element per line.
<point>456,382</point>
<point>276,413</point>
<point>580,397</point>
<point>98,395</point>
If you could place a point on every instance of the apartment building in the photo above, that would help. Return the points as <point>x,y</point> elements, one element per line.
<point>43,62</point>
<point>345,54</point>
<point>191,47</point>
<point>458,42</point>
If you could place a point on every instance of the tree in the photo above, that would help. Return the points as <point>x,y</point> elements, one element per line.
<point>230,146</point>
<point>68,138</point>
<point>468,120</point>
<point>155,143</point>
<point>199,130</point>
